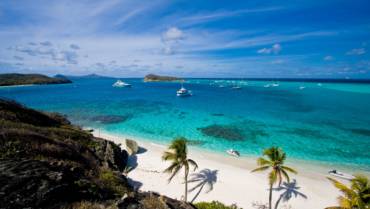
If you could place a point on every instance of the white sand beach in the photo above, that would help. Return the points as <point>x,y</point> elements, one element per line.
<point>234,181</point>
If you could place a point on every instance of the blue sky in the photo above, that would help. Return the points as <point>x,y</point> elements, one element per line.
<point>255,38</point>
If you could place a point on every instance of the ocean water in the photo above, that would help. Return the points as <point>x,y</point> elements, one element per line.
<point>327,123</point>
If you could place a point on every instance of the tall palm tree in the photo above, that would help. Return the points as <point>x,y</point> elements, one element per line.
<point>274,161</point>
<point>357,196</point>
<point>178,155</point>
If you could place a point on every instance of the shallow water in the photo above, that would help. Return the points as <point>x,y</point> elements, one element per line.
<point>328,123</point>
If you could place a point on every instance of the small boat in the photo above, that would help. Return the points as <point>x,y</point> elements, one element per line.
<point>275,85</point>
<point>236,87</point>
<point>267,85</point>
<point>233,153</point>
<point>221,86</point>
<point>120,83</point>
<point>341,175</point>
<point>183,92</point>
<point>302,87</point>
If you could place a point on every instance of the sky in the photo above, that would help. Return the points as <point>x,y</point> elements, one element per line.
<point>198,38</point>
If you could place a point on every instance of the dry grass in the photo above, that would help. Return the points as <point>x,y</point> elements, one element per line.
<point>89,205</point>
<point>153,202</point>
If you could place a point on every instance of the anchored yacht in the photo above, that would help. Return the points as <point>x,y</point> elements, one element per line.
<point>120,83</point>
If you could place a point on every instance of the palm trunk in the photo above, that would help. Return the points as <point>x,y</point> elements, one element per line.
<point>270,196</point>
<point>186,185</point>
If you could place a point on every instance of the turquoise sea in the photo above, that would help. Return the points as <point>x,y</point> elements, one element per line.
<point>327,123</point>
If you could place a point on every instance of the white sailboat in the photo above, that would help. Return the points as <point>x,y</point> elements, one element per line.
<point>183,92</point>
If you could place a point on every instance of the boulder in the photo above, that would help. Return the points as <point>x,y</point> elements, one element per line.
<point>111,154</point>
<point>131,146</point>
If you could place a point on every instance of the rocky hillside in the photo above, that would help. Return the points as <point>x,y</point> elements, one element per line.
<point>12,79</point>
<point>45,162</point>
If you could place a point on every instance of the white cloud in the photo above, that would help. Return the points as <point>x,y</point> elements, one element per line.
<point>46,43</point>
<point>70,57</point>
<point>45,50</point>
<point>275,49</point>
<point>328,58</point>
<point>18,58</point>
<point>214,15</point>
<point>171,39</point>
<point>173,34</point>
<point>74,46</point>
<point>168,50</point>
<point>358,51</point>
<point>129,15</point>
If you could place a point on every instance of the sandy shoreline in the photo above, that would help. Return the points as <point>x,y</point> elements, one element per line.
<point>21,85</point>
<point>235,183</point>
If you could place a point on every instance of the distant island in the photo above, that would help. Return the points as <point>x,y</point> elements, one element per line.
<point>156,78</point>
<point>12,79</point>
<point>93,75</point>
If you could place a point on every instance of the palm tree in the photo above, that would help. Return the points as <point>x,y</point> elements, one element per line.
<point>177,154</point>
<point>357,196</point>
<point>274,161</point>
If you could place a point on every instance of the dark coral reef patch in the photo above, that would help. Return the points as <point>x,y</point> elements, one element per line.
<point>108,119</point>
<point>223,131</point>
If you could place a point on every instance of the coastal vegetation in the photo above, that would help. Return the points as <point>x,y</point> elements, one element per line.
<point>154,78</point>
<point>177,154</point>
<point>356,196</point>
<point>214,205</point>
<point>12,79</point>
<point>274,161</point>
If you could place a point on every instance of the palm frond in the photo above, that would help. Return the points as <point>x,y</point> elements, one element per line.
<point>193,163</point>
<point>285,174</point>
<point>263,162</point>
<point>286,168</point>
<point>263,168</point>
<point>174,172</point>
<point>171,167</point>
<point>345,203</point>
<point>343,188</point>
<point>168,156</point>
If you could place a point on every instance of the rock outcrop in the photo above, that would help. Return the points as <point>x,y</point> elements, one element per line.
<point>131,146</point>
<point>45,162</point>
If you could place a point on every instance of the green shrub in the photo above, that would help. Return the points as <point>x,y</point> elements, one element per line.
<point>113,182</point>
<point>214,205</point>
